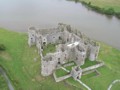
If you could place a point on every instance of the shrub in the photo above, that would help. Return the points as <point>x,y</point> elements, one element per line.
<point>76,1</point>
<point>110,11</point>
<point>83,2</point>
<point>2,47</point>
<point>118,15</point>
<point>89,3</point>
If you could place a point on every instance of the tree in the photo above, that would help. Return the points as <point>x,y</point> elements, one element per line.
<point>110,11</point>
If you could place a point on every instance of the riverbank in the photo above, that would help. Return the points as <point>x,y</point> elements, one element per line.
<point>108,7</point>
<point>22,65</point>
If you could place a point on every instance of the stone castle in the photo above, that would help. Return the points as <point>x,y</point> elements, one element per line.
<point>71,46</point>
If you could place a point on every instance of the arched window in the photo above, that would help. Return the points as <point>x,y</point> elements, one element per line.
<point>44,43</point>
<point>76,58</point>
<point>50,58</point>
<point>41,47</point>
<point>67,39</point>
<point>83,56</point>
<point>58,60</point>
<point>60,38</point>
<point>77,77</point>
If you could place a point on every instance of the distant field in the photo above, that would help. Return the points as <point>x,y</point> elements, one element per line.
<point>115,4</point>
<point>24,71</point>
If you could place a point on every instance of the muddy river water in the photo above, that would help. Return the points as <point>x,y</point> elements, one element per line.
<point>18,15</point>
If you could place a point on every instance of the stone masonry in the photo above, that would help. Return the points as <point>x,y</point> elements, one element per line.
<point>71,45</point>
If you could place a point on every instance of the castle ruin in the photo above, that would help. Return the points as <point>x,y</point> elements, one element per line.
<point>71,46</point>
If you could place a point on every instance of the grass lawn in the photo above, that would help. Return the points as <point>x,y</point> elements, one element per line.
<point>116,86</point>
<point>90,75</point>
<point>88,63</point>
<point>50,48</point>
<point>24,71</point>
<point>74,83</point>
<point>60,73</point>
<point>3,84</point>
<point>102,81</point>
<point>70,67</point>
<point>115,4</point>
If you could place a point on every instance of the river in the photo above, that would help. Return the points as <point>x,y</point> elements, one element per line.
<point>18,15</point>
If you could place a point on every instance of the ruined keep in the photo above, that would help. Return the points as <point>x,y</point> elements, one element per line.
<point>71,45</point>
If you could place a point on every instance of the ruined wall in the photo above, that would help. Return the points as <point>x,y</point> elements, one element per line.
<point>62,35</point>
<point>49,64</point>
<point>54,37</point>
<point>80,57</point>
<point>76,72</point>
<point>51,60</point>
<point>94,50</point>
<point>31,37</point>
<point>48,67</point>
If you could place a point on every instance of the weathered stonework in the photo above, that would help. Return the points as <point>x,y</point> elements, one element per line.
<point>71,45</point>
<point>76,72</point>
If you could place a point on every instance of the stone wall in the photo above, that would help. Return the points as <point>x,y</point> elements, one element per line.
<point>62,35</point>
<point>76,72</point>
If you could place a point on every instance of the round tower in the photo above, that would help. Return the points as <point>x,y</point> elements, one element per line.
<point>94,50</point>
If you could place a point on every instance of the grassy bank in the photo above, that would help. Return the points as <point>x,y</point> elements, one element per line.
<point>19,63</point>
<point>24,71</point>
<point>108,7</point>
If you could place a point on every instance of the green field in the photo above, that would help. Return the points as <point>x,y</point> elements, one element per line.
<point>108,7</point>
<point>18,61</point>
<point>60,73</point>
<point>24,71</point>
<point>88,63</point>
<point>116,86</point>
<point>115,4</point>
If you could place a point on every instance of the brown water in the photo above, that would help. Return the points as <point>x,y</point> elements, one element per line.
<point>18,15</point>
